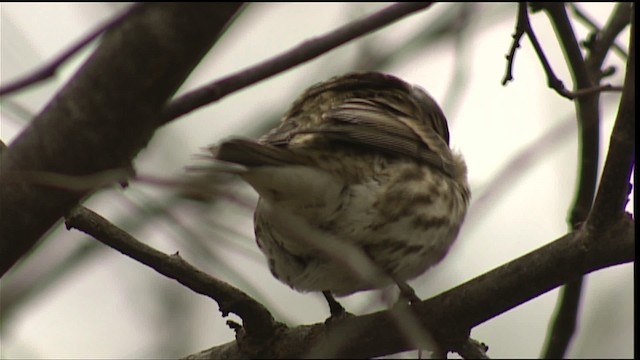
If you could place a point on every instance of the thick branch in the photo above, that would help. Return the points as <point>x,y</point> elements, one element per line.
<point>104,115</point>
<point>450,315</point>
<point>614,188</point>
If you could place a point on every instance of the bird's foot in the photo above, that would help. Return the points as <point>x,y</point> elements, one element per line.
<point>407,293</point>
<point>338,312</point>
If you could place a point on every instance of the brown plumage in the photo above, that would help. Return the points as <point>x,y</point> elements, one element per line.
<point>358,186</point>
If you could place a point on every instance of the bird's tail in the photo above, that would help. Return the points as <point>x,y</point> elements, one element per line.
<point>250,153</point>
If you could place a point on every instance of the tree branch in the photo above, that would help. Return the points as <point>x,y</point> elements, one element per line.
<point>587,108</point>
<point>50,69</point>
<point>304,52</point>
<point>614,189</point>
<point>515,44</point>
<point>258,321</point>
<point>587,111</point>
<point>523,27</point>
<point>605,37</point>
<point>104,115</point>
<point>450,315</point>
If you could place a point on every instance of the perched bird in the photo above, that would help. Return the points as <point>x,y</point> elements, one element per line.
<point>358,186</point>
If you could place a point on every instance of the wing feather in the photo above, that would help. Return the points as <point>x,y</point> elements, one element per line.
<point>376,125</point>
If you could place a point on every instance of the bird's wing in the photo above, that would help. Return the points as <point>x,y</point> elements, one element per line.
<point>378,126</point>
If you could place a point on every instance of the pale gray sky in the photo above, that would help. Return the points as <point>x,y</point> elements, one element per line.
<point>112,307</point>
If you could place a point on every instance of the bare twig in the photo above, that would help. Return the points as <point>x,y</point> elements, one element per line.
<point>596,89</point>
<point>196,244</point>
<point>523,26</point>
<point>304,52</point>
<point>258,321</point>
<point>568,40</point>
<point>563,325</point>
<point>520,30</point>
<point>605,39</point>
<point>620,10</point>
<point>50,69</point>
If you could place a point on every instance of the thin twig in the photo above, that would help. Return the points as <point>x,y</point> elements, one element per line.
<point>581,15</point>
<point>563,326</point>
<point>202,246</point>
<point>49,69</point>
<point>508,76</point>
<point>258,321</point>
<point>599,47</point>
<point>523,26</point>
<point>304,52</point>
<point>568,39</point>
<point>596,89</point>
<point>552,80</point>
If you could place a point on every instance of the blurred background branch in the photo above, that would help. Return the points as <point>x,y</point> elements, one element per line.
<point>216,233</point>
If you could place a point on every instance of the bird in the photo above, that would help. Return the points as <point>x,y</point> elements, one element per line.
<point>358,187</point>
